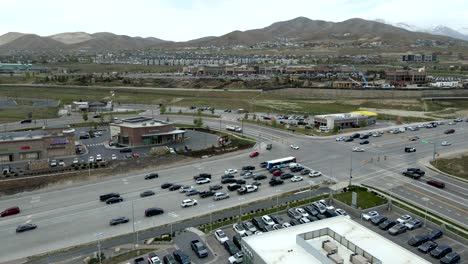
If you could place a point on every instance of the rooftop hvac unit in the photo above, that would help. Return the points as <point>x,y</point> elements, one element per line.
<point>335,258</point>
<point>329,247</point>
<point>144,124</point>
<point>355,258</point>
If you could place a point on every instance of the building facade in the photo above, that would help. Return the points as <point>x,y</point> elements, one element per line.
<point>143,131</point>
<point>345,120</point>
<point>400,77</point>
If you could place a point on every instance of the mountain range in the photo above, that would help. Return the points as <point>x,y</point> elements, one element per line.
<point>461,33</point>
<point>298,29</point>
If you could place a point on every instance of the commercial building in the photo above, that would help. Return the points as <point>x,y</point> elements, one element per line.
<point>144,131</point>
<point>20,67</point>
<point>419,57</point>
<point>51,142</point>
<point>97,106</point>
<point>401,77</point>
<point>345,120</point>
<point>333,240</point>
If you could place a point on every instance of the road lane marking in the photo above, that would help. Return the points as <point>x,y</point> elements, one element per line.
<point>433,198</point>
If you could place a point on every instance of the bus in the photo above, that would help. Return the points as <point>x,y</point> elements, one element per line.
<point>280,163</point>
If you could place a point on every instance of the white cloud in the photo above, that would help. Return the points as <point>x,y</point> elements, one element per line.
<point>189,19</point>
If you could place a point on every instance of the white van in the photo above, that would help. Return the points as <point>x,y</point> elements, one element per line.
<point>293,165</point>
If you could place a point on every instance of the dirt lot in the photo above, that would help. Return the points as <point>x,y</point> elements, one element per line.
<point>457,165</point>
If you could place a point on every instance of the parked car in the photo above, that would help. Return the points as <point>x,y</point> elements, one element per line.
<point>416,241</point>
<point>231,248</point>
<point>397,229</point>
<point>440,251</point>
<point>199,248</point>
<point>249,226</point>
<point>387,224</point>
<point>221,236</point>
<point>427,246</point>
<point>258,222</point>
<point>314,174</point>
<point>413,224</point>
<point>294,214</point>
<point>236,258</point>
<point>378,220</point>
<point>404,218</point>
<point>341,212</point>
<point>153,258</point>
<point>267,220</point>
<point>450,258</point>
<point>435,234</point>
<point>181,257</point>
<point>238,228</point>
<point>286,176</point>
<point>297,178</point>
<point>369,215</point>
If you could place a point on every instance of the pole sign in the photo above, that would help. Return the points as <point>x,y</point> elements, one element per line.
<point>354,200</point>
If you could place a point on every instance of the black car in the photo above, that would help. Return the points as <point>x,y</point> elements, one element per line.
<point>248,167</point>
<point>106,197</point>
<point>416,241</point>
<point>228,180</point>
<point>153,211</point>
<point>215,187</point>
<point>297,169</point>
<point>450,258</point>
<point>85,136</point>
<point>263,164</point>
<point>227,176</point>
<point>294,222</point>
<point>181,257</point>
<point>202,175</point>
<point>440,251</point>
<point>355,135</point>
<point>435,234</point>
<point>348,139</point>
<point>166,185</point>
<point>260,177</point>
<point>126,150</point>
<point>286,176</point>
<point>25,227</point>
<point>305,172</point>
<point>230,247</point>
<point>151,176</point>
<point>205,194</point>
<point>240,181</point>
<point>364,136</point>
<point>169,259</point>
<point>278,219</point>
<point>378,220</point>
<point>26,121</point>
<point>258,222</point>
<point>147,193</point>
<point>449,131</point>
<point>119,220</point>
<point>364,142</point>
<point>310,210</point>
<point>114,200</point>
<point>312,218</point>
<point>411,174</point>
<point>321,216</point>
<point>387,224</point>
<point>233,186</point>
<point>175,187</point>
<point>427,246</point>
<point>274,182</point>
<point>237,240</point>
<point>330,213</point>
<point>417,171</point>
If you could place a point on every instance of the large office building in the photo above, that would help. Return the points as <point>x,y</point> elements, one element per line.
<point>50,142</point>
<point>144,131</point>
<point>333,240</point>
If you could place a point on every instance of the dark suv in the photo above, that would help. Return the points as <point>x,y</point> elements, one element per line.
<point>153,211</point>
<point>181,257</point>
<point>248,167</point>
<point>440,251</point>
<point>151,176</point>
<point>416,241</point>
<point>107,196</point>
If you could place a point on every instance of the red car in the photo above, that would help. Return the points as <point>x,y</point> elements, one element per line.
<point>254,154</point>
<point>10,211</point>
<point>135,155</point>
<point>436,184</point>
<point>277,173</point>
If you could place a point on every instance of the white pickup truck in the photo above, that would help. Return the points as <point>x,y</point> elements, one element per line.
<point>247,189</point>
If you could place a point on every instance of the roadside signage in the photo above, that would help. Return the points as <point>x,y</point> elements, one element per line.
<point>424,141</point>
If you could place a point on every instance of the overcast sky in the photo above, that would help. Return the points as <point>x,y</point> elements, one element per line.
<point>182,20</point>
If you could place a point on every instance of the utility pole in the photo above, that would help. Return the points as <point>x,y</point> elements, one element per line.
<point>350,168</point>
<point>98,235</point>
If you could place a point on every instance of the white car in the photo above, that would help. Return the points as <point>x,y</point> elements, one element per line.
<point>91,159</point>
<point>315,174</point>
<point>339,138</point>
<point>239,229</point>
<point>75,161</point>
<point>357,149</point>
<point>188,202</point>
<point>342,212</point>
<point>221,236</point>
<point>98,157</point>
<point>172,151</point>
<point>451,123</point>
<point>302,212</point>
<point>230,171</point>
<point>404,219</point>
<point>185,189</point>
<point>445,143</point>
<point>296,147</point>
<point>236,258</point>
<point>368,216</point>
<point>114,157</point>
<point>62,163</point>
<point>296,178</point>
<point>304,220</point>
<point>267,220</point>
<point>286,225</point>
<point>324,203</point>
<point>203,180</point>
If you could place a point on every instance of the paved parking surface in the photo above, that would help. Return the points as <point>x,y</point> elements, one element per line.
<point>182,241</point>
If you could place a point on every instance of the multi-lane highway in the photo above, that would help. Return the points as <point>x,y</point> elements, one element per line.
<point>71,216</point>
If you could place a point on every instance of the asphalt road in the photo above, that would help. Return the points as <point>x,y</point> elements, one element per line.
<point>74,215</point>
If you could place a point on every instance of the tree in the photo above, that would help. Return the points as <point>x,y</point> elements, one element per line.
<point>198,111</point>
<point>85,117</point>
<point>336,129</point>
<point>162,109</point>
<point>101,118</point>
<point>170,109</point>
<point>212,110</point>
<point>246,116</point>
<point>254,117</point>
<point>362,123</point>
<point>273,123</point>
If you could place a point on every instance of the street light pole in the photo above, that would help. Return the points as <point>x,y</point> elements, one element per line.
<point>350,168</point>
<point>98,235</point>
<point>425,214</point>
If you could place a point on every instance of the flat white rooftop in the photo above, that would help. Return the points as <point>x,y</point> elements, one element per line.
<point>281,244</point>
<point>341,116</point>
